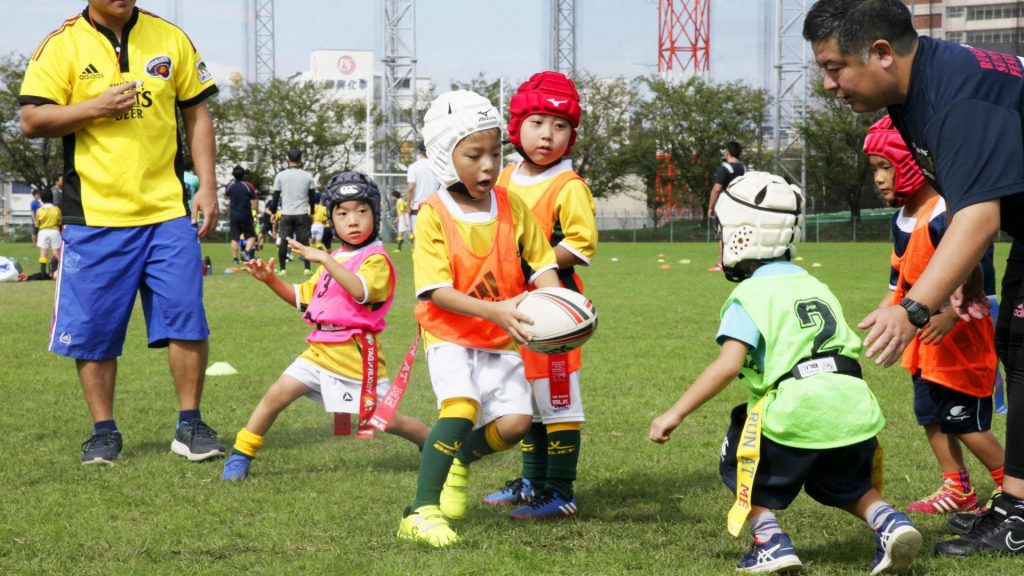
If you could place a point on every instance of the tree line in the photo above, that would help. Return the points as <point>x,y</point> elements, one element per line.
<point>669,135</point>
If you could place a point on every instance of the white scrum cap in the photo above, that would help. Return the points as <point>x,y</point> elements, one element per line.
<point>453,116</point>
<point>761,216</point>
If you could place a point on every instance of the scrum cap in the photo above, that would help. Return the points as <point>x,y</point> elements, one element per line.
<point>544,93</point>
<point>761,215</point>
<point>353,186</point>
<point>453,116</point>
<point>884,140</point>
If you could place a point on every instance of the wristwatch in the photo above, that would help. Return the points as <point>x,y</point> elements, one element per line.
<point>917,313</point>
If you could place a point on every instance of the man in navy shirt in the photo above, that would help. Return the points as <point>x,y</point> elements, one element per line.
<point>959,111</point>
<point>242,203</point>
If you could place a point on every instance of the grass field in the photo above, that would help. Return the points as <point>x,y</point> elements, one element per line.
<point>317,504</point>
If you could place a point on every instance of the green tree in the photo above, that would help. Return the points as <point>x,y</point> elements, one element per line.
<point>609,146</point>
<point>838,173</point>
<point>257,123</point>
<point>490,89</point>
<point>36,161</point>
<point>690,122</point>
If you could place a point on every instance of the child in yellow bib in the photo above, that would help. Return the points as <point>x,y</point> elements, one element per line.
<point>811,420</point>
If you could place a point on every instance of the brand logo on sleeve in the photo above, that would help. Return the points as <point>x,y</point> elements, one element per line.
<point>204,73</point>
<point>159,67</point>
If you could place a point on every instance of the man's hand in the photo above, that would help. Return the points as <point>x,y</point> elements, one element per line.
<point>890,333</point>
<point>115,101</point>
<point>205,202</point>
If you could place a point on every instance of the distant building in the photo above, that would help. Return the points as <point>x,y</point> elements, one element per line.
<point>987,24</point>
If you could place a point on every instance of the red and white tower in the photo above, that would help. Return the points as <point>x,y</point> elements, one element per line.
<point>684,38</point>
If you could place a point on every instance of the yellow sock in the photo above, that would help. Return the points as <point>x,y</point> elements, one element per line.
<point>494,440</point>
<point>248,443</point>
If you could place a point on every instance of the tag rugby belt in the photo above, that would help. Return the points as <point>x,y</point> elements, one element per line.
<point>831,363</point>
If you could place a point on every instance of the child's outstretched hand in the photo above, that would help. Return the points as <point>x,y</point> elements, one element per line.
<point>505,315</point>
<point>663,426</point>
<point>308,253</point>
<point>260,270</point>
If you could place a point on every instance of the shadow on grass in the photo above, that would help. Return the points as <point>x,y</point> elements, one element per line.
<point>646,497</point>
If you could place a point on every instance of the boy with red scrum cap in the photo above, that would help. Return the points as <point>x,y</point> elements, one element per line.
<point>952,363</point>
<point>543,117</point>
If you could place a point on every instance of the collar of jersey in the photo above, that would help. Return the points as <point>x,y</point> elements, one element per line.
<point>473,218</point>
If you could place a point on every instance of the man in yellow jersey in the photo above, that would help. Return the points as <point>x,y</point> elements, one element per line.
<point>109,82</point>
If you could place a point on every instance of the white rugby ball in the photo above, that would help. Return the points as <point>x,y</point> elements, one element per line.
<point>562,319</point>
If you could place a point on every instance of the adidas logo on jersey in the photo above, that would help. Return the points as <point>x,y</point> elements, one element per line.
<point>487,289</point>
<point>90,73</point>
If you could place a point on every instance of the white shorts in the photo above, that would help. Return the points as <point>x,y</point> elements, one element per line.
<point>334,392</point>
<point>544,412</point>
<point>403,222</point>
<point>495,380</point>
<point>49,238</point>
<point>316,232</point>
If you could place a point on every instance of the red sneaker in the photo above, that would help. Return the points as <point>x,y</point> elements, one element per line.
<point>716,268</point>
<point>945,500</point>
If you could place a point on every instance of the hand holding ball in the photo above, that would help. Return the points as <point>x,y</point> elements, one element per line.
<point>562,319</point>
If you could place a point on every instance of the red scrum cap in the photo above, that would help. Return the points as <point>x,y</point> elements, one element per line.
<point>884,140</point>
<point>544,93</point>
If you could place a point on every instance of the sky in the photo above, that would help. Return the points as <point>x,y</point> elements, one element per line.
<point>455,39</point>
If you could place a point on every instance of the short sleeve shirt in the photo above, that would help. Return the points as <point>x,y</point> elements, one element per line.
<point>419,174</point>
<point>575,226</point>
<point>122,171</point>
<point>295,186</point>
<point>962,121</point>
<point>240,198</point>
<point>728,171</point>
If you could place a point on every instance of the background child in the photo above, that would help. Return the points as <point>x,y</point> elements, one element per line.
<point>401,217</point>
<point>469,279</point>
<point>346,302</point>
<point>543,116</point>
<point>47,223</point>
<point>319,225</point>
<point>952,363</point>
<point>811,420</point>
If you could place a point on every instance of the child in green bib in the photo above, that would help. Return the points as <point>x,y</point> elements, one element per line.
<point>810,422</point>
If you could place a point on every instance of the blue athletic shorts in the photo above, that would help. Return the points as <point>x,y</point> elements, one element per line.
<point>954,412</point>
<point>102,270</point>
<point>833,476</point>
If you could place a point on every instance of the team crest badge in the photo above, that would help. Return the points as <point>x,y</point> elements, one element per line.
<point>159,67</point>
<point>204,72</point>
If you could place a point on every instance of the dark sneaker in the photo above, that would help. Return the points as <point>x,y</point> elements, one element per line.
<point>961,523</point>
<point>546,505</point>
<point>518,491</point>
<point>102,448</point>
<point>998,531</point>
<point>236,467</point>
<point>896,545</point>
<point>775,555</point>
<point>196,441</point>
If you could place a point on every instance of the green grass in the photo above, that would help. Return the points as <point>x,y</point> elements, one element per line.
<point>318,504</point>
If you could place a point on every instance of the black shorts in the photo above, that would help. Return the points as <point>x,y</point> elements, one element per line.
<point>239,227</point>
<point>294,226</point>
<point>834,476</point>
<point>954,412</point>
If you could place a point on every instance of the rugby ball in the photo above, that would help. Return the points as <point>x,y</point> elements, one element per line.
<point>562,319</point>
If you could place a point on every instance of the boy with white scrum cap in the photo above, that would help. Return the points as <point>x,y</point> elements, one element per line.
<point>469,280</point>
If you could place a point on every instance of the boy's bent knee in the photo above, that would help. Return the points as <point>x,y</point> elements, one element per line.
<point>513,427</point>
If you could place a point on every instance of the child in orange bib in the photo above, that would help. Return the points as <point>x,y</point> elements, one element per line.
<point>476,249</point>
<point>952,363</point>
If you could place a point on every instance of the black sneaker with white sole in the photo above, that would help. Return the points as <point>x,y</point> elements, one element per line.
<point>196,441</point>
<point>102,448</point>
<point>1000,530</point>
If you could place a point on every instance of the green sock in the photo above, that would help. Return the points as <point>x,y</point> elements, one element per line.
<point>535,454</point>
<point>441,446</point>
<point>399,243</point>
<point>563,457</point>
<point>475,446</point>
